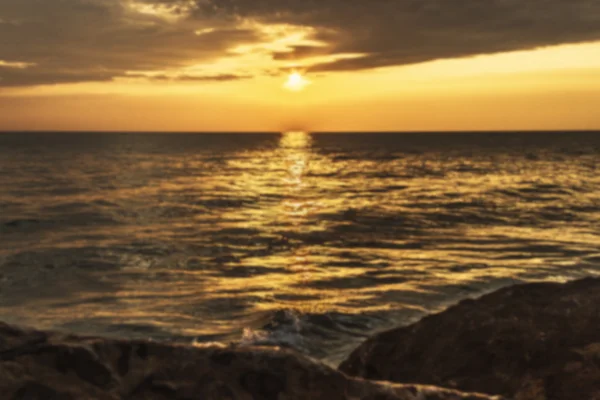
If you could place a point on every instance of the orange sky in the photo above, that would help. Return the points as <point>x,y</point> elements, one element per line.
<point>244,89</point>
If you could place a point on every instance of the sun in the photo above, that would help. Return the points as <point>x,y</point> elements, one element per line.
<point>296,82</point>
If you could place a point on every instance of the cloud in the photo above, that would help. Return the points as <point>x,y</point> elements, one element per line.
<point>300,52</point>
<point>398,32</point>
<point>15,64</point>
<point>95,40</point>
<point>64,41</point>
<point>188,77</point>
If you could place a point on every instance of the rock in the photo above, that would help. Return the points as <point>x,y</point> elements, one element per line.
<point>529,342</point>
<point>50,366</point>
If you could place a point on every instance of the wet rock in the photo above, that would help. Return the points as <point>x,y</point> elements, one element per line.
<point>50,366</point>
<point>529,342</point>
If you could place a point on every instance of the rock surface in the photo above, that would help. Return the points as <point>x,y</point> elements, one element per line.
<point>49,366</point>
<point>529,342</point>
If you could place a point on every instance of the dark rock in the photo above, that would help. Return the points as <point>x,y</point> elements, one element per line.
<point>529,342</point>
<point>263,385</point>
<point>84,363</point>
<point>123,363</point>
<point>142,351</point>
<point>51,366</point>
<point>224,359</point>
<point>35,391</point>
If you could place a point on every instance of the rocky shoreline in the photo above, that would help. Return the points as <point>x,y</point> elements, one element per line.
<point>528,342</point>
<point>37,365</point>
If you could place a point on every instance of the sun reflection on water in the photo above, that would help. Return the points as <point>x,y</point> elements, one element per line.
<point>296,140</point>
<point>296,150</point>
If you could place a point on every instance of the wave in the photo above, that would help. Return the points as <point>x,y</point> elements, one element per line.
<point>327,336</point>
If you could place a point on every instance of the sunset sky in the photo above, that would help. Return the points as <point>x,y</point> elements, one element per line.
<point>359,65</point>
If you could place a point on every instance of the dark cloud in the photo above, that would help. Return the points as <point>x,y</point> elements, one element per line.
<point>395,32</point>
<point>95,40</point>
<point>300,51</point>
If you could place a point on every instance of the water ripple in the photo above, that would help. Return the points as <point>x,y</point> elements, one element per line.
<point>297,240</point>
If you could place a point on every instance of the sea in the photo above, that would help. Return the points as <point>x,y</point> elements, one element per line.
<point>306,241</point>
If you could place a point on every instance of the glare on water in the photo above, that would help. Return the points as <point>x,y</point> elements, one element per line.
<point>203,236</point>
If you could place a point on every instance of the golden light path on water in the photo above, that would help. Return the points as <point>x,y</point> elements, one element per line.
<point>283,174</point>
<point>290,173</point>
<point>207,241</point>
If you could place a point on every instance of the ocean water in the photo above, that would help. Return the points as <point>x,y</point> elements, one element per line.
<point>306,241</point>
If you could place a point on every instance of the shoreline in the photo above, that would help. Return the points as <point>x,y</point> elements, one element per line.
<point>527,342</point>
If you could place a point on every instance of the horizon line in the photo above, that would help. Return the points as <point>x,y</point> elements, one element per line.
<point>73,131</point>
